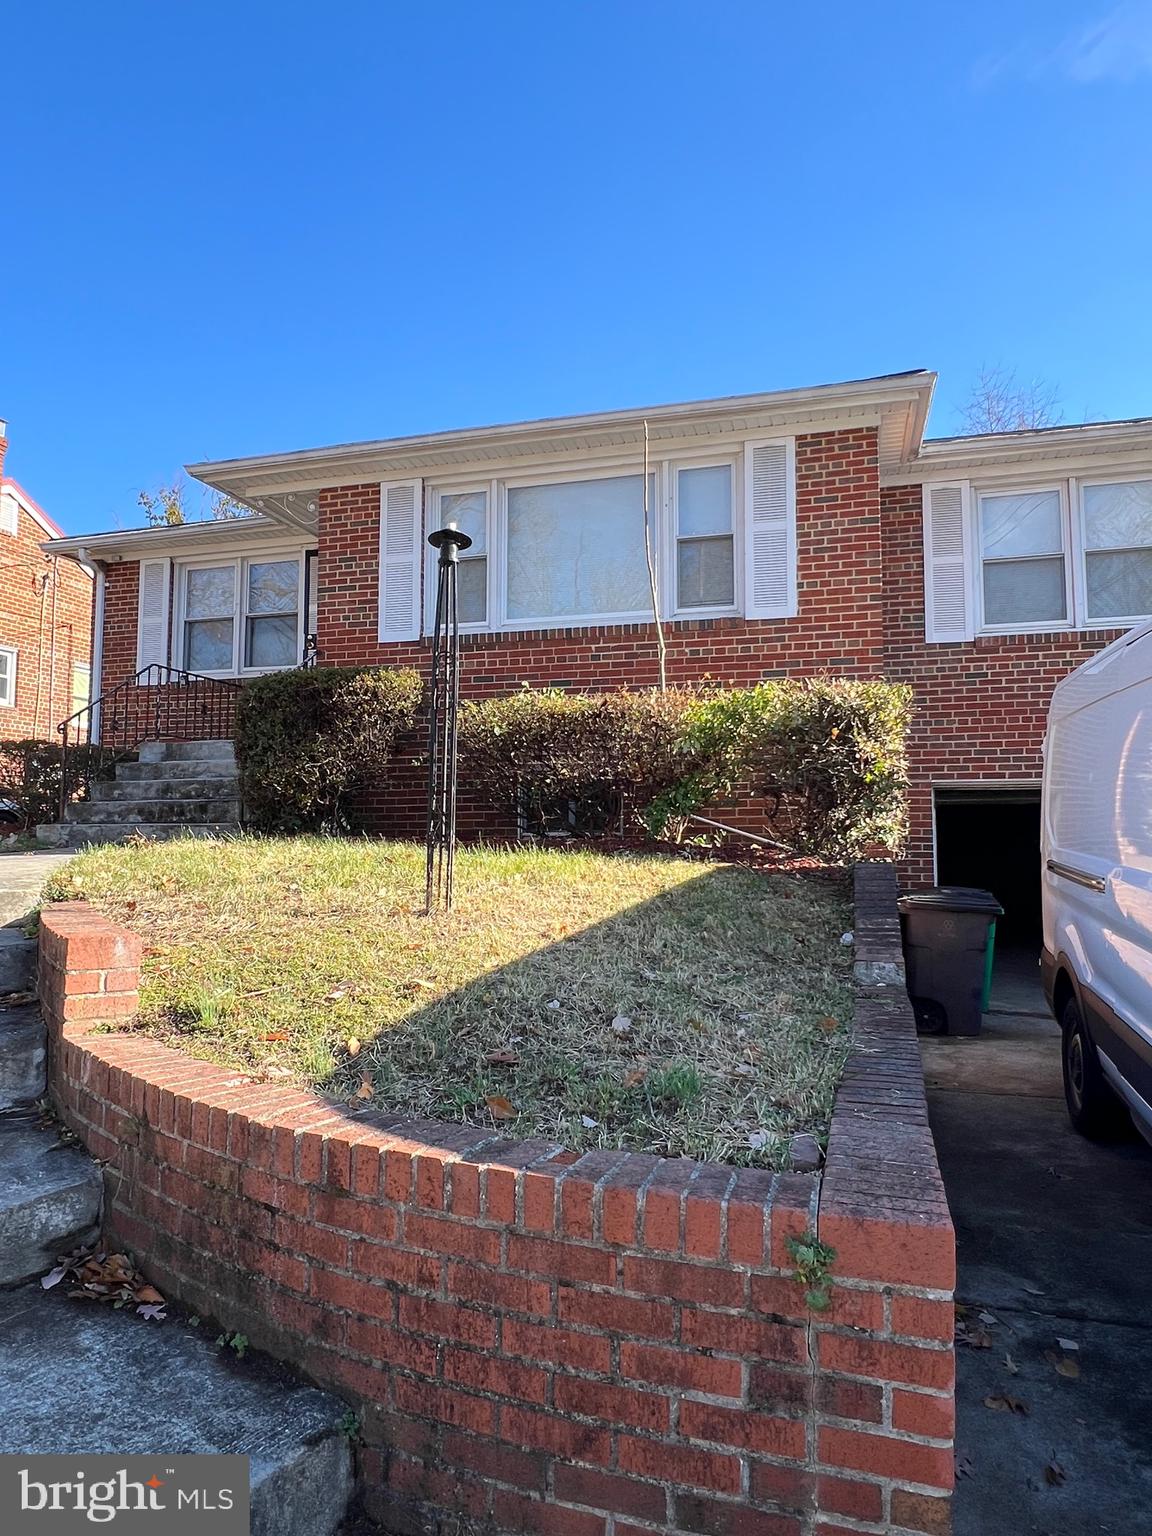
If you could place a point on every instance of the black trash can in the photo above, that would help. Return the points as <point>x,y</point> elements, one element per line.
<point>948,933</point>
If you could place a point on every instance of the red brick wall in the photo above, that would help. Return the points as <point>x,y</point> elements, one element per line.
<point>544,1341</point>
<point>121,614</point>
<point>981,707</point>
<point>46,614</point>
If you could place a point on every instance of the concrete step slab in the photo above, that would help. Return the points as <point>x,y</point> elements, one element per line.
<point>185,768</point>
<point>84,836</point>
<point>180,751</point>
<point>89,812</point>
<point>77,1378</point>
<point>17,960</point>
<point>218,787</point>
<point>22,1055</point>
<point>49,1196</point>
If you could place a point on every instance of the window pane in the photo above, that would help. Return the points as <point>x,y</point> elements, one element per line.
<point>211,592</point>
<point>1024,591</point>
<point>6,677</point>
<point>271,642</point>
<point>577,549</point>
<point>472,590</point>
<point>1118,517</point>
<point>273,586</point>
<point>704,500</point>
<point>1021,525</point>
<point>1120,586</point>
<point>208,645</point>
<point>469,511</point>
<point>705,573</point>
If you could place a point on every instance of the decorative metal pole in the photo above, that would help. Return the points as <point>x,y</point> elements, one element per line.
<point>441,840</point>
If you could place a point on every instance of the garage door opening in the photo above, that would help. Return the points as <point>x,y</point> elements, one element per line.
<point>990,838</point>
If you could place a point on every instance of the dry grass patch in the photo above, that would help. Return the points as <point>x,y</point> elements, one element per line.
<point>646,1001</point>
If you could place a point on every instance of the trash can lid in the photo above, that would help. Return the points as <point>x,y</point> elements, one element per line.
<point>951,898</point>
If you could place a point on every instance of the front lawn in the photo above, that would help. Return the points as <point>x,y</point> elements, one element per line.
<point>645,1001</point>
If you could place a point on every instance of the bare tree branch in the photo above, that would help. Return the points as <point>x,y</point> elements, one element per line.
<point>999,402</point>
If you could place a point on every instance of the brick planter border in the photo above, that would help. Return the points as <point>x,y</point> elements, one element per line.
<point>600,1345</point>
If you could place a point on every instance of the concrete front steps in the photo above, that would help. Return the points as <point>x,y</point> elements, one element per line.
<point>77,1376</point>
<point>171,789</point>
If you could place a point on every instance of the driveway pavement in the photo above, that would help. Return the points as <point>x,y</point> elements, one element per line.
<point>1054,1238</point>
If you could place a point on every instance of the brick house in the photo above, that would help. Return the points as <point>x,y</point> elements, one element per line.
<point>796,532</point>
<point>45,619</point>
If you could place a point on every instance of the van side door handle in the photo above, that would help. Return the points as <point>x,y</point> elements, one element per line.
<point>1077,876</point>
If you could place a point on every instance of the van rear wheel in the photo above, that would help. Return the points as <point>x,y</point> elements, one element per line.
<point>1093,1108</point>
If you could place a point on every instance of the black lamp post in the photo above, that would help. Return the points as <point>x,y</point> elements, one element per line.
<point>441,839</point>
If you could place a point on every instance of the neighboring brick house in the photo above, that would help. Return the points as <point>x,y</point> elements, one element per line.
<point>793,534</point>
<point>45,619</point>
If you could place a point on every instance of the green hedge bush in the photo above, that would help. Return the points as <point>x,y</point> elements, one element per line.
<point>612,754</point>
<point>30,774</point>
<point>826,755</point>
<point>306,739</point>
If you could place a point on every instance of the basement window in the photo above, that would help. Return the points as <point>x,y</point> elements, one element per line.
<point>7,675</point>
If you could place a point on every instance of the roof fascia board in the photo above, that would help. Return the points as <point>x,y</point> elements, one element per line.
<point>187,538</point>
<point>320,467</point>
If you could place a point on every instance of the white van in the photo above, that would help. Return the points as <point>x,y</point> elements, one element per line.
<point>1096,868</point>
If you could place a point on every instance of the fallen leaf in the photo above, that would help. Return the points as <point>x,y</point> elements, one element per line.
<point>336,994</point>
<point>149,1294</point>
<point>965,1467</point>
<point>276,1034</point>
<point>501,1108</point>
<point>555,1003</point>
<point>1010,1365</point>
<point>989,1318</point>
<point>1062,1365</point>
<point>634,1078</point>
<point>365,1089</point>
<point>425,986</point>
<point>829,1024</point>
<point>758,1140</point>
<point>1055,1475</point>
<point>621,1025</point>
<point>1069,1346</point>
<point>1001,1402</point>
<point>502,1058</point>
<point>352,1046</point>
<point>53,1277</point>
<point>154,1314</point>
<point>588,1123</point>
<point>974,1338</point>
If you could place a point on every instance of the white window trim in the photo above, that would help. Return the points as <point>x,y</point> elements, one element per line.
<point>1075,554</point>
<point>1018,626</point>
<point>1076,490</point>
<point>670,601</point>
<point>239,564</point>
<point>431,556</point>
<point>8,686</point>
<point>664,538</point>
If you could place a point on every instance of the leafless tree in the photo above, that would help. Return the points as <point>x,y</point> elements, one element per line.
<point>168,506</point>
<point>1000,402</point>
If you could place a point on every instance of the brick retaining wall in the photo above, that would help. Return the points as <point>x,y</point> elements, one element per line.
<point>603,1345</point>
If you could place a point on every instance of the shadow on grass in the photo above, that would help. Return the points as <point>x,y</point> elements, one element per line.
<point>708,1021</point>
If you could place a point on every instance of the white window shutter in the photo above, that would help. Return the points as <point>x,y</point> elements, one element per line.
<point>947,563</point>
<point>400,529</point>
<point>9,513</point>
<point>152,613</point>
<point>770,529</point>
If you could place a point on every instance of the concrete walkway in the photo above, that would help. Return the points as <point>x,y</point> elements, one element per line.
<point>1054,1236</point>
<point>22,877</point>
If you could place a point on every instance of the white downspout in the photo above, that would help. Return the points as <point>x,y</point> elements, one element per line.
<point>96,568</point>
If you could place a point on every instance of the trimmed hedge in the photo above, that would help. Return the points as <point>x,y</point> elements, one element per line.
<point>306,739</point>
<point>826,755</point>
<point>30,774</point>
<point>611,753</point>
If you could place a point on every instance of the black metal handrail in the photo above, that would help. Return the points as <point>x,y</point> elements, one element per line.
<point>157,704</point>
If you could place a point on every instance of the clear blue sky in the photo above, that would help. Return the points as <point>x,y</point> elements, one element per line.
<point>242,227</point>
